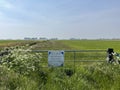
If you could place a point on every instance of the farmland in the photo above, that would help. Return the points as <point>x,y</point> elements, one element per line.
<point>93,44</point>
<point>24,71</point>
<point>66,44</point>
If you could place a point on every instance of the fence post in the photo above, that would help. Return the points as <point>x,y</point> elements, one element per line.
<point>110,57</point>
<point>74,60</point>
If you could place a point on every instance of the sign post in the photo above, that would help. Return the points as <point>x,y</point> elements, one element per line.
<point>55,58</point>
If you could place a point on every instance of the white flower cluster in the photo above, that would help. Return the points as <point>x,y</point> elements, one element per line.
<point>21,60</point>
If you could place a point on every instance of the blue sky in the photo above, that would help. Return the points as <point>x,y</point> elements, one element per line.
<point>91,19</point>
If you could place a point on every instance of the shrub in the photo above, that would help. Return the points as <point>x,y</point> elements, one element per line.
<point>21,60</point>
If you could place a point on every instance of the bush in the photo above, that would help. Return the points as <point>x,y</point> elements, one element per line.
<point>21,60</point>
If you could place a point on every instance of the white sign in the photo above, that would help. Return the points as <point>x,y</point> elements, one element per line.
<point>55,58</point>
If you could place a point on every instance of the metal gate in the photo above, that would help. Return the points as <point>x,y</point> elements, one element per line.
<point>76,57</point>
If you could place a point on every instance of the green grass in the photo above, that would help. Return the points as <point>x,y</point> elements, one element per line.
<point>92,44</point>
<point>70,45</point>
<point>79,45</point>
<point>97,76</point>
<point>94,77</point>
<point>66,44</point>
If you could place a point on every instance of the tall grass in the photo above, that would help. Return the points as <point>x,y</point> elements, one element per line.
<point>98,76</point>
<point>93,77</point>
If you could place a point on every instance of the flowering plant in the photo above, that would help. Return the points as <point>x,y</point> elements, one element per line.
<point>21,59</point>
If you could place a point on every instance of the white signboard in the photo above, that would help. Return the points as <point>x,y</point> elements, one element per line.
<point>55,58</point>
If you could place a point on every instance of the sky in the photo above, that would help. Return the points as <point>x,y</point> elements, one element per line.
<point>63,19</point>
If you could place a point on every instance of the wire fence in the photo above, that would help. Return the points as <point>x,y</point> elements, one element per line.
<point>76,57</point>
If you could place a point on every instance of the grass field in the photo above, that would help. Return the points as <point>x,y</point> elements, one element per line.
<point>92,44</point>
<point>24,71</point>
<point>70,45</point>
<point>66,44</point>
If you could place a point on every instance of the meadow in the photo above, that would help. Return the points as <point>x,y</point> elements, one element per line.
<point>92,44</point>
<point>21,69</point>
<point>66,44</point>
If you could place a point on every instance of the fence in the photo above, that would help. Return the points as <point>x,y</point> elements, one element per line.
<point>76,57</point>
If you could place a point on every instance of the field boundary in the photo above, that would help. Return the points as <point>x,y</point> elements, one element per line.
<point>77,56</point>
